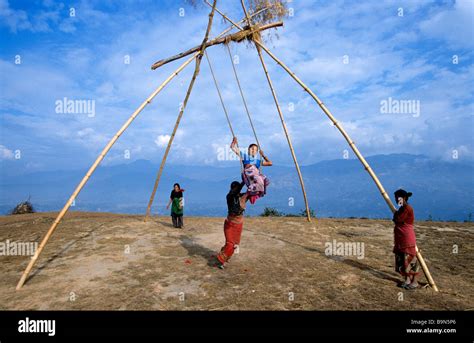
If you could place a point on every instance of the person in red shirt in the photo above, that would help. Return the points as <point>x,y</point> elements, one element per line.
<point>404,248</point>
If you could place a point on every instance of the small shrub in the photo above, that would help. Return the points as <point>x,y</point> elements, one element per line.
<point>23,207</point>
<point>270,212</point>
<point>303,213</point>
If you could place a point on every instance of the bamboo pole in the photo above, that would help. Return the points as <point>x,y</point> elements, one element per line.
<point>237,37</point>
<point>426,271</point>
<point>180,115</point>
<point>300,176</point>
<point>92,169</point>
<point>354,148</point>
<point>270,84</point>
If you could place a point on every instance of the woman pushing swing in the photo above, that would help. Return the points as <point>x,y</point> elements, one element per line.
<point>256,187</point>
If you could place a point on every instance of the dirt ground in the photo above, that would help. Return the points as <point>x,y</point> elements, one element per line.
<point>103,261</point>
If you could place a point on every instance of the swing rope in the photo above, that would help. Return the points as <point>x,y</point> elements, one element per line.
<point>223,105</point>
<point>220,95</point>
<point>242,95</point>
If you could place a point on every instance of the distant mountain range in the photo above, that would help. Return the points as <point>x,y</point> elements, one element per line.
<point>336,188</point>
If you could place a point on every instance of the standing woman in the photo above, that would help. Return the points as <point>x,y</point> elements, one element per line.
<point>177,205</point>
<point>404,248</point>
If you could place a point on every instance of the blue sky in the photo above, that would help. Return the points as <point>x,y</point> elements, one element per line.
<point>353,54</point>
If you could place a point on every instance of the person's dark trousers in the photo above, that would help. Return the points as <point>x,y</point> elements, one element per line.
<point>177,220</point>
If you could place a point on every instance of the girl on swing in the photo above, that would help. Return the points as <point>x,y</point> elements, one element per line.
<point>255,181</point>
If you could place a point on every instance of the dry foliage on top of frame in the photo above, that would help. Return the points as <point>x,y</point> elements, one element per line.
<point>276,10</point>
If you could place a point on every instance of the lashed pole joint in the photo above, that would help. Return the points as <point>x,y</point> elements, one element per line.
<point>245,33</point>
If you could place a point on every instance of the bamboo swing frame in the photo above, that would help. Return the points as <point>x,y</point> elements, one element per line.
<point>244,33</point>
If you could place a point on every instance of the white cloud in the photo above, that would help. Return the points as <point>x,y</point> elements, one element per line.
<point>5,153</point>
<point>15,20</point>
<point>455,26</point>
<point>54,15</point>
<point>40,21</point>
<point>162,140</point>
<point>85,132</point>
